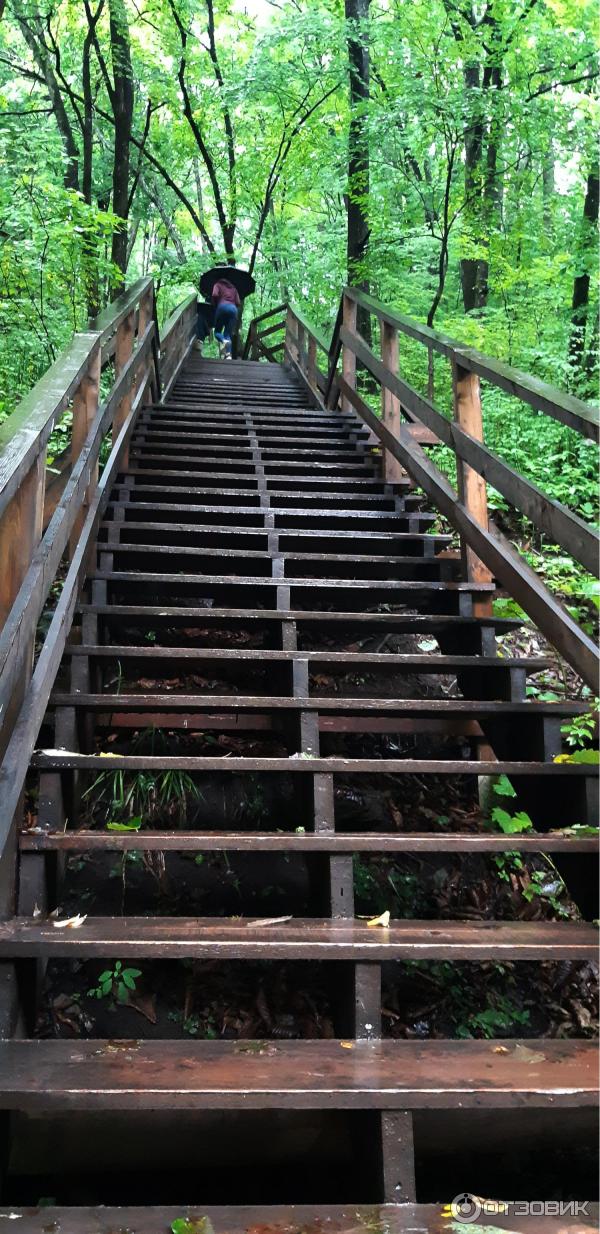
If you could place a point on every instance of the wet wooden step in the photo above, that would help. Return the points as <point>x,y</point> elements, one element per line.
<point>470,708</point>
<point>206,938</point>
<point>417,623</point>
<point>327,661</point>
<point>104,1075</point>
<point>306,764</point>
<point>369,585</point>
<point>293,1219</point>
<point>39,840</point>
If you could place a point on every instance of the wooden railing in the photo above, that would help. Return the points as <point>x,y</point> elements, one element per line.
<point>121,352</point>
<point>409,420</point>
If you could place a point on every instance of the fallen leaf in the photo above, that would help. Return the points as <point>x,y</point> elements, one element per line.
<point>383,920</point>
<point>108,754</point>
<point>145,1004</point>
<point>525,1055</point>
<point>71,923</point>
<point>347,1045</point>
<point>501,1049</point>
<point>267,921</point>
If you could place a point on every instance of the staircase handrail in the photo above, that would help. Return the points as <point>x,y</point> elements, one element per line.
<point>410,420</point>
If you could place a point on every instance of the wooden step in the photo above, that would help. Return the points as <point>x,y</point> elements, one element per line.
<point>406,623</point>
<point>306,764</point>
<point>296,1219</point>
<point>358,1074</point>
<point>324,661</point>
<point>205,938</point>
<point>471,708</point>
<point>37,839</point>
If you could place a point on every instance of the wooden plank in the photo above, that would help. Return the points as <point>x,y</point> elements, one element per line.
<point>475,708</point>
<point>471,487</point>
<point>23,737</point>
<point>20,533</point>
<point>85,410</point>
<point>419,663</point>
<point>19,628</point>
<point>94,1075</point>
<point>299,1219</point>
<point>108,321</point>
<point>348,352</point>
<point>25,433</point>
<point>538,394</point>
<point>206,938</point>
<point>551,618</point>
<point>66,759</point>
<point>304,842</point>
<point>310,329</point>
<point>390,404</point>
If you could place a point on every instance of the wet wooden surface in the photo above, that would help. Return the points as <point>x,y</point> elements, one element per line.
<point>287,1219</point>
<point>267,939</point>
<point>59,1075</point>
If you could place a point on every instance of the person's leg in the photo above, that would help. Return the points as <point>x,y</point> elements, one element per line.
<point>226,318</point>
<point>202,328</point>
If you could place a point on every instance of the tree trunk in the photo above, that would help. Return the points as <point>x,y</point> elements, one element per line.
<point>357,15</point>
<point>586,254</point>
<point>122,104</point>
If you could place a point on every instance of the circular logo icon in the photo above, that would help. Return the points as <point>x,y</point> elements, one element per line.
<point>465,1208</point>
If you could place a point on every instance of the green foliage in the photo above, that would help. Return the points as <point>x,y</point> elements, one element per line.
<point>502,1016</point>
<point>579,730</point>
<point>192,1225</point>
<point>116,983</point>
<point>511,824</point>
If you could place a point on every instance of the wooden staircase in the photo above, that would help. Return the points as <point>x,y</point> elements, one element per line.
<point>256,585</point>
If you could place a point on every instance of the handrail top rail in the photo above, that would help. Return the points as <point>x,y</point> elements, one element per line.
<point>318,336</point>
<point>539,394</point>
<point>25,432</point>
<point>111,317</point>
<point>175,317</point>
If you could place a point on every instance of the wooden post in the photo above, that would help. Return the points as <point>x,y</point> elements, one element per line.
<point>430,374</point>
<point>471,487</point>
<point>85,408</point>
<point>311,362</point>
<point>290,332</point>
<point>301,334</point>
<point>143,320</point>
<point>348,356</point>
<point>20,533</point>
<point>123,350</point>
<point>393,472</point>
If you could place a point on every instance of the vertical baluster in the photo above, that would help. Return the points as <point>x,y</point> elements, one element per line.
<point>85,408</point>
<point>471,487</point>
<point>123,350</point>
<point>430,374</point>
<point>390,405</point>
<point>145,316</point>
<point>311,363</point>
<point>301,336</point>
<point>20,532</point>
<point>290,332</point>
<point>348,356</point>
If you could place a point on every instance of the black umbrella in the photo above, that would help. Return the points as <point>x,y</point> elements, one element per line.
<point>239,278</point>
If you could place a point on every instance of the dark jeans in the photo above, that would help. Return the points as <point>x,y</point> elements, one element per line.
<point>226,320</point>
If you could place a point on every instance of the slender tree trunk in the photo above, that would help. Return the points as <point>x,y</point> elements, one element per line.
<point>586,251</point>
<point>548,187</point>
<point>357,15</point>
<point>122,103</point>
